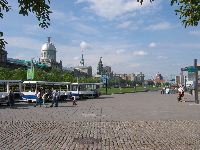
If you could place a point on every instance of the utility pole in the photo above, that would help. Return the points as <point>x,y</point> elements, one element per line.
<point>196,82</point>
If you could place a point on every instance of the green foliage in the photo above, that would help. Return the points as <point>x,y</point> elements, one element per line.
<point>40,8</point>
<point>10,74</point>
<point>5,74</point>
<point>19,74</point>
<point>189,11</point>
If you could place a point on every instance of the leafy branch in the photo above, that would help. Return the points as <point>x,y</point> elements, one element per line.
<point>40,8</point>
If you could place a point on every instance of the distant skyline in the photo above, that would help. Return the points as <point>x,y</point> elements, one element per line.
<point>130,37</point>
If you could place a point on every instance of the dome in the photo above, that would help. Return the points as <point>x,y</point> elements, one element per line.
<point>48,46</point>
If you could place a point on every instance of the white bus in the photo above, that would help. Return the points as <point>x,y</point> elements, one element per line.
<point>85,90</point>
<point>6,85</point>
<point>30,89</point>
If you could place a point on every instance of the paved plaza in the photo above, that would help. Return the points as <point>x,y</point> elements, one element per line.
<point>141,121</point>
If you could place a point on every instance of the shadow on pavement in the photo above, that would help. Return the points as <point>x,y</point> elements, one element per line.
<point>104,97</point>
<point>18,106</point>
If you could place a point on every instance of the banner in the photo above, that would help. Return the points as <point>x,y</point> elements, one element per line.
<point>30,73</point>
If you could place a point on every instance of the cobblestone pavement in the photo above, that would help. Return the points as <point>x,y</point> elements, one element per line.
<point>142,121</point>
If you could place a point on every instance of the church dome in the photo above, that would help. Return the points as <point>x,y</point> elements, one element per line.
<point>48,46</point>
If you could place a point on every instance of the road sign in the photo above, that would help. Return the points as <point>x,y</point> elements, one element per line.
<point>189,69</point>
<point>104,81</point>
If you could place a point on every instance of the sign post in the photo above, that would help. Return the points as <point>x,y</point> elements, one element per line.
<point>105,81</point>
<point>196,82</point>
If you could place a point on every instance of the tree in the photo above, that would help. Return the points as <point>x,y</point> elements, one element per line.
<point>188,10</point>
<point>40,8</point>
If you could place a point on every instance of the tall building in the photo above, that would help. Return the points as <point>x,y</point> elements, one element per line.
<point>3,56</point>
<point>100,67</point>
<point>48,55</point>
<point>108,71</point>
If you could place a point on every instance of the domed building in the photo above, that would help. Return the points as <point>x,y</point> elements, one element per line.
<point>48,55</point>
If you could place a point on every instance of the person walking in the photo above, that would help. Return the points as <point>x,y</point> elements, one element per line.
<point>38,98</point>
<point>54,98</point>
<point>180,93</point>
<point>11,99</point>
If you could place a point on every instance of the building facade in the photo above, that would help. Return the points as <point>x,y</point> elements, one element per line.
<point>48,55</point>
<point>3,56</point>
<point>158,79</point>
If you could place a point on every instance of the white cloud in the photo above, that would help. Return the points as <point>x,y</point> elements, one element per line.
<point>85,28</point>
<point>24,42</point>
<point>139,53</point>
<point>121,51</point>
<point>134,65</point>
<point>197,33</point>
<point>76,58</point>
<point>57,15</point>
<point>84,45</point>
<point>159,26</point>
<point>125,25</point>
<point>114,8</point>
<point>162,57</point>
<point>152,45</point>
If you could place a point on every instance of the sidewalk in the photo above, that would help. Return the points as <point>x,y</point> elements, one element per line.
<point>139,121</point>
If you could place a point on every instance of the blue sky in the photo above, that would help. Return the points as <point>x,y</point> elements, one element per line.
<point>130,37</point>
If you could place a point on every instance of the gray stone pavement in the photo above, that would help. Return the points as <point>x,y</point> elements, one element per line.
<point>141,121</point>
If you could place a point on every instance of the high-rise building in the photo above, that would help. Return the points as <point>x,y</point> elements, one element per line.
<point>100,67</point>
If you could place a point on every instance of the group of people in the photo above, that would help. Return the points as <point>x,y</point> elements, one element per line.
<point>168,90</point>
<point>51,94</point>
<point>180,90</point>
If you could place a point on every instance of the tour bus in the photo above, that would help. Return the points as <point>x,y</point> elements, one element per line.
<point>5,86</point>
<point>85,90</point>
<point>30,89</point>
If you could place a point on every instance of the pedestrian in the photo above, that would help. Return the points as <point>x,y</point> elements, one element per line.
<point>44,98</point>
<point>74,100</point>
<point>180,93</point>
<point>55,97</point>
<point>190,89</point>
<point>38,98</point>
<point>11,98</point>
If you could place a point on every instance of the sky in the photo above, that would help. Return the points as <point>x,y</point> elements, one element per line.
<point>129,37</point>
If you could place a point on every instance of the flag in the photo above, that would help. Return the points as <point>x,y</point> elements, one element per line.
<point>30,72</point>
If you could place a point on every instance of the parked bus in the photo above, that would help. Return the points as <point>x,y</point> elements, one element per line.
<point>85,90</point>
<point>30,89</point>
<point>5,86</point>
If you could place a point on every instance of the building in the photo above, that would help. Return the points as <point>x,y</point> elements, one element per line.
<point>3,56</point>
<point>108,71</point>
<point>83,70</point>
<point>158,79</point>
<point>48,55</point>
<point>100,67</point>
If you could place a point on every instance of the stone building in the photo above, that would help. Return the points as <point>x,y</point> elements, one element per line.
<point>48,55</point>
<point>3,56</point>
